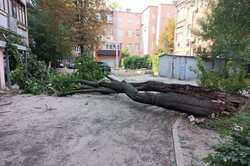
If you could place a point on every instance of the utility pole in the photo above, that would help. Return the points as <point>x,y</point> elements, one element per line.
<point>117,55</point>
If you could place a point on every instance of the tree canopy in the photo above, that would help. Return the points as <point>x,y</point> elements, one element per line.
<point>166,43</point>
<point>227,29</point>
<point>49,29</point>
<point>89,19</point>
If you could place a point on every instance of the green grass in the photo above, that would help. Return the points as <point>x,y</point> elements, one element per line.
<point>224,125</point>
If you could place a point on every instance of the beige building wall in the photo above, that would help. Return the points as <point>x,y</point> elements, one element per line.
<point>188,15</point>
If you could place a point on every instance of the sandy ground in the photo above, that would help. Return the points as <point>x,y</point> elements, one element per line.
<point>196,143</point>
<point>84,130</point>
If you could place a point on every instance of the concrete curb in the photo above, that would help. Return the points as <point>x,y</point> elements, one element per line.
<point>177,145</point>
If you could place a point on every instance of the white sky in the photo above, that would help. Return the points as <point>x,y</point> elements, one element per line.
<point>139,5</point>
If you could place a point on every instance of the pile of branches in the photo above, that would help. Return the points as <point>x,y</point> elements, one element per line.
<point>188,99</point>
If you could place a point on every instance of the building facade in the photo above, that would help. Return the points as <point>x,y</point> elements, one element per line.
<point>13,19</point>
<point>189,12</point>
<point>154,20</point>
<point>109,50</point>
<point>138,32</point>
<point>127,30</point>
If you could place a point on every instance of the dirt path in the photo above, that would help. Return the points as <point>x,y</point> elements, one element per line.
<point>84,130</point>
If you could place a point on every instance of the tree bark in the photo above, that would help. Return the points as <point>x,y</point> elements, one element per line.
<point>187,99</point>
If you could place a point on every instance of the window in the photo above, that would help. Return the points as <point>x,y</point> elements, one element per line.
<point>130,21</point>
<point>18,11</point>
<point>3,5</point>
<point>109,19</point>
<point>130,33</point>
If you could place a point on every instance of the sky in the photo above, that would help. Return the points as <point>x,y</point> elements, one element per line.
<point>139,5</point>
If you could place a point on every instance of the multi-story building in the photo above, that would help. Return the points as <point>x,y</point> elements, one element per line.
<point>109,50</point>
<point>154,20</point>
<point>139,32</point>
<point>189,12</point>
<point>127,30</point>
<point>13,19</point>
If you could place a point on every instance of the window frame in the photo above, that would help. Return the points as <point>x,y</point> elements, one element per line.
<point>18,11</point>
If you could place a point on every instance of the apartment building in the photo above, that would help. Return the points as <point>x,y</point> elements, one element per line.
<point>127,30</point>
<point>154,20</point>
<point>109,49</point>
<point>13,19</point>
<point>189,12</point>
<point>139,32</point>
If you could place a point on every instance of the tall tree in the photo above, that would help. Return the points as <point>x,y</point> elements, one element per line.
<point>49,27</point>
<point>166,43</point>
<point>89,22</point>
<point>227,30</point>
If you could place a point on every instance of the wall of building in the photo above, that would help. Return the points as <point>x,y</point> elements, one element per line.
<point>139,32</point>
<point>127,30</point>
<point>16,25</point>
<point>188,15</point>
<point>165,12</point>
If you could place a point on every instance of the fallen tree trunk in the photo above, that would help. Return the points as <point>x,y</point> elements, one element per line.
<point>192,91</point>
<point>173,101</point>
<point>181,98</point>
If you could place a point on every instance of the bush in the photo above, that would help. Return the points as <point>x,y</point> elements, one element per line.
<point>154,59</point>
<point>234,152</point>
<point>88,69</point>
<point>61,83</point>
<point>36,78</point>
<point>233,81</point>
<point>136,62</point>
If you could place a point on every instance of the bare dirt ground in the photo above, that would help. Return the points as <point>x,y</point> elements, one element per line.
<point>84,130</point>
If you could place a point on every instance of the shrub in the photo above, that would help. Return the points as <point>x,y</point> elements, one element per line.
<point>136,62</point>
<point>154,60</point>
<point>234,152</point>
<point>88,69</point>
<point>61,83</point>
<point>230,79</point>
<point>36,78</point>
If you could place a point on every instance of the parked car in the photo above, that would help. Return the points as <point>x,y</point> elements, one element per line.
<point>71,66</point>
<point>106,69</point>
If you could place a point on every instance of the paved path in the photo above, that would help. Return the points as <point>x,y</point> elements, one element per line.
<point>84,130</point>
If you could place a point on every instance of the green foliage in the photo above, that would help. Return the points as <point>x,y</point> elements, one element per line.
<point>36,78</point>
<point>235,151</point>
<point>124,54</point>
<point>224,125</point>
<point>166,43</point>
<point>228,28</point>
<point>89,21</point>
<point>233,81</point>
<point>88,69</point>
<point>155,63</point>
<point>61,83</point>
<point>50,29</point>
<point>136,62</point>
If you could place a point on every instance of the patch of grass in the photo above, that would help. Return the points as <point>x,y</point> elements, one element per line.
<point>225,125</point>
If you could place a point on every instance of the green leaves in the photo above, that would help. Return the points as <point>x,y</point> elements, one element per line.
<point>88,69</point>
<point>136,62</point>
<point>228,28</point>
<point>50,29</point>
